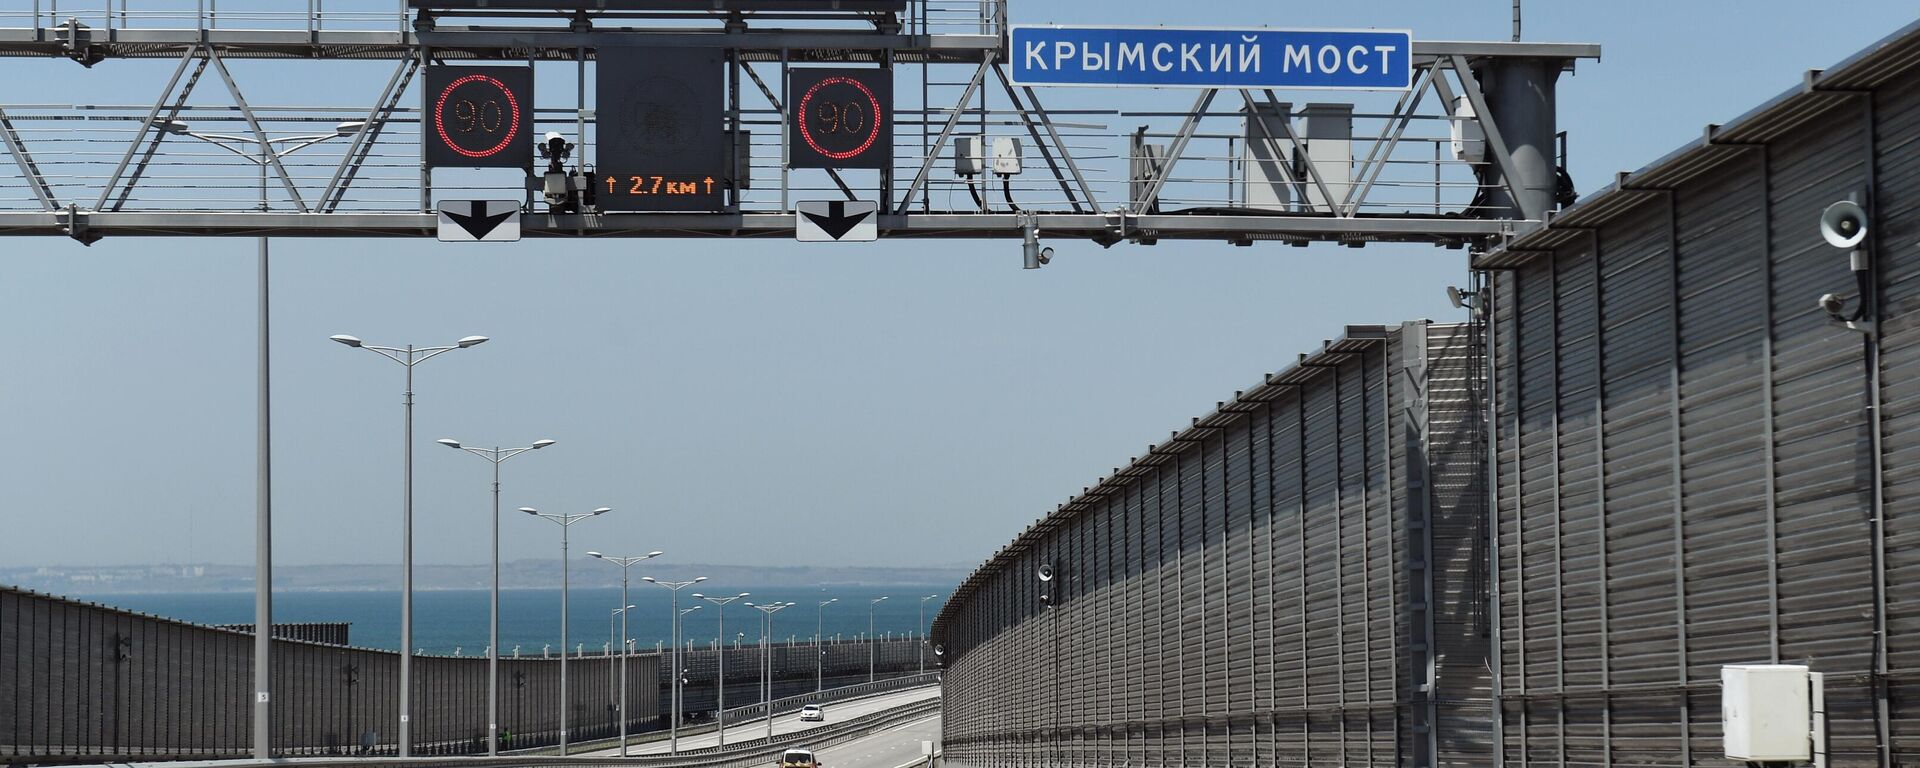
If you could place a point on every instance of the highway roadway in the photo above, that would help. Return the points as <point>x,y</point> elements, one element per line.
<point>788,723</point>
<point>895,747</point>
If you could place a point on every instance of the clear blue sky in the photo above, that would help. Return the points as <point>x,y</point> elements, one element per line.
<point>737,402</point>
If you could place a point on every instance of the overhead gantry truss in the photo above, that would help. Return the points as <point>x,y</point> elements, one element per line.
<point>197,160</point>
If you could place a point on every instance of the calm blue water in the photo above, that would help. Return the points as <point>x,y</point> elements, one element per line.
<point>530,618</point>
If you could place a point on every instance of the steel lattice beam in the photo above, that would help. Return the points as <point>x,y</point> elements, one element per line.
<point>1106,228</point>
<point>359,193</point>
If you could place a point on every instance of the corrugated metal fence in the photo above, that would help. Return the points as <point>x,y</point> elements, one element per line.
<point>1254,591</point>
<point>1688,464</point>
<point>84,682</point>
<point>1686,442</point>
<point>80,681</point>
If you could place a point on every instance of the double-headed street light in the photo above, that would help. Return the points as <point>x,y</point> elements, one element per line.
<point>565,522</point>
<point>922,630</point>
<point>263,400</point>
<point>407,356</point>
<point>820,651</point>
<point>767,611</point>
<point>873,641</point>
<point>625,563</point>
<point>495,456</point>
<point>721,688</point>
<point>673,724</point>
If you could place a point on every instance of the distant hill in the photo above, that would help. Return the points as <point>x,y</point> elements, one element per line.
<point>100,580</point>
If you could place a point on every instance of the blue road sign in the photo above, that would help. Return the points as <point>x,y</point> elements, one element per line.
<point>1213,58</point>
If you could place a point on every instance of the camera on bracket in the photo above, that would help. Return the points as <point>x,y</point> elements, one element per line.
<point>563,191</point>
<point>1844,225</point>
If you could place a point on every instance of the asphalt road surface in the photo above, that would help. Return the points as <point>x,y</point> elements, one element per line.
<point>788,724</point>
<point>895,747</point>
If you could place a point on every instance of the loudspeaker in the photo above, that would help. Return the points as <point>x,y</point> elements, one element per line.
<point>1046,572</point>
<point>1844,224</point>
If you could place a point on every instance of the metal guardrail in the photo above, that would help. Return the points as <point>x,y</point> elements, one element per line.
<point>763,749</point>
<point>753,712</point>
<point>863,690</point>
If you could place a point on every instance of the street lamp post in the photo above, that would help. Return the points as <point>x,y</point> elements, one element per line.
<point>767,611</point>
<point>921,628</point>
<point>873,641</point>
<point>263,457</point>
<point>625,563</point>
<point>612,627</point>
<point>408,357</point>
<point>495,456</point>
<point>721,687</point>
<point>565,522</point>
<point>673,723</point>
<point>679,702</point>
<point>820,651</point>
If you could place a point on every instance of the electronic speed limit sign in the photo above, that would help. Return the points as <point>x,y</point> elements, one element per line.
<point>841,118</point>
<point>478,117</point>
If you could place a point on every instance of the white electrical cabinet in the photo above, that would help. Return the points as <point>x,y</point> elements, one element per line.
<point>1008,156</point>
<point>1269,177</point>
<point>969,155</point>
<point>1465,135</point>
<point>1766,711</point>
<point>1326,133</point>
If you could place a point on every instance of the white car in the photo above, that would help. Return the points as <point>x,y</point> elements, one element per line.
<point>813,713</point>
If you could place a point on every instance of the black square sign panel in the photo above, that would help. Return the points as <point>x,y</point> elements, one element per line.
<point>840,118</point>
<point>479,117</point>
<point>662,129</point>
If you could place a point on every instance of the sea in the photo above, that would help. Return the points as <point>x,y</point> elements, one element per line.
<point>455,621</point>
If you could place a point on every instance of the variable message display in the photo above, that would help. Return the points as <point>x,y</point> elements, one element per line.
<point>662,132</point>
<point>478,117</point>
<point>1212,58</point>
<point>841,118</point>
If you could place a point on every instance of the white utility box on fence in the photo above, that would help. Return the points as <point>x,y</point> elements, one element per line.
<point>1767,712</point>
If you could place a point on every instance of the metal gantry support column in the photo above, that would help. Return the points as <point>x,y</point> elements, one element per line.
<point>1413,433</point>
<point>1516,97</point>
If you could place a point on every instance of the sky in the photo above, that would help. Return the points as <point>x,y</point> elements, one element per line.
<point>736,402</point>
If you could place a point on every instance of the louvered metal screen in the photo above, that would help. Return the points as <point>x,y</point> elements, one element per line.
<point>1684,442</point>
<point>86,683</point>
<point>1243,594</point>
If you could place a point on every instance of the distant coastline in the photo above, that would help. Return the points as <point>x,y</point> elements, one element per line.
<point>518,574</point>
